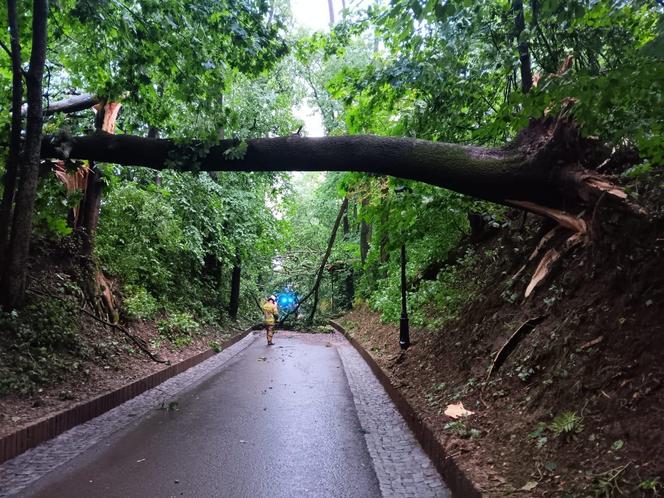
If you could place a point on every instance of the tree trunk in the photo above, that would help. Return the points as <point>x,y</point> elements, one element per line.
<point>540,167</point>
<point>95,285</point>
<point>15,278</point>
<point>384,254</point>
<point>522,45</point>
<point>89,210</point>
<point>234,301</point>
<point>330,6</point>
<point>14,156</point>
<point>105,118</point>
<point>330,244</point>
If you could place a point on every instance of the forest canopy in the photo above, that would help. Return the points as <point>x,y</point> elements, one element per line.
<point>544,98</point>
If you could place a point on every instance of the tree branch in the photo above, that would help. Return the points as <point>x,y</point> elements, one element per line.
<point>74,103</point>
<point>6,49</point>
<point>133,338</point>
<point>139,342</point>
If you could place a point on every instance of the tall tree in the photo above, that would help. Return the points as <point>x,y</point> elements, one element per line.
<point>16,270</point>
<point>13,157</point>
<point>522,43</point>
<point>349,284</point>
<point>234,301</point>
<point>365,234</point>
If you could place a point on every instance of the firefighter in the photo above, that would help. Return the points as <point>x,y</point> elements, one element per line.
<point>271,314</point>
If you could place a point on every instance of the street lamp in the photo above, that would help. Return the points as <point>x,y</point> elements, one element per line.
<point>404,329</point>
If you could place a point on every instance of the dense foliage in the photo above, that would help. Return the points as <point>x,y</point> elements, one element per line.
<point>456,71</point>
<point>179,71</point>
<point>453,72</point>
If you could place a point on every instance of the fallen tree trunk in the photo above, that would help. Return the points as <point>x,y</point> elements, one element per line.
<point>539,168</point>
<point>321,268</point>
<point>328,251</point>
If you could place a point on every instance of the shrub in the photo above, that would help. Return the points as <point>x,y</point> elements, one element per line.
<point>36,345</point>
<point>566,423</point>
<point>139,303</point>
<point>178,328</point>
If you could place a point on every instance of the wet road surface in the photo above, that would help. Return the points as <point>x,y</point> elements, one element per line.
<point>275,422</point>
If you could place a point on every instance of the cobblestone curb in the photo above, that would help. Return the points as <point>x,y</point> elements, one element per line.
<point>402,467</point>
<point>26,468</point>
<point>459,484</point>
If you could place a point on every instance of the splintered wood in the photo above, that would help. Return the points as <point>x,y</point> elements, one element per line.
<point>512,342</point>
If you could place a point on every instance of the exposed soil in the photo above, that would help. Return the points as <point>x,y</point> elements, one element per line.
<point>597,354</point>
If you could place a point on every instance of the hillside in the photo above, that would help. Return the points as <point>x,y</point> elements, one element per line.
<point>576,408</point>
<point>54,353</point>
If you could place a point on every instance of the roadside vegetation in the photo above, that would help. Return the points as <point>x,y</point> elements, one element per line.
<point>109,266</point>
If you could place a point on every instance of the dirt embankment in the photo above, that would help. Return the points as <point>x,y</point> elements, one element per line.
<point>64,356</point>
<point>576,408</point>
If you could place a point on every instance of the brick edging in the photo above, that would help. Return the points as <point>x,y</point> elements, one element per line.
<point>55,424</point>
<point>454,477</point>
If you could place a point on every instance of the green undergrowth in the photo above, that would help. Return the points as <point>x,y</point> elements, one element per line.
<point>50,341</point>
<point>40,345</point>
<point>435,302</point>
<point>179,328</point>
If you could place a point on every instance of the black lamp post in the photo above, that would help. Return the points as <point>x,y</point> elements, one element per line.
<point>404,329</point>
<point>404,332</point>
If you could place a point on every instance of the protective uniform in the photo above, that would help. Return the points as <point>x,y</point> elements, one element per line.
<point>270,312</point>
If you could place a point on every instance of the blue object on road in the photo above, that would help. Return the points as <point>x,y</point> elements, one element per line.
<point>287,301</point>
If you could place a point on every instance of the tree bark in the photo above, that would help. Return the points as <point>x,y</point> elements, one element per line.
<point>89,209</point>
<point>15,277</point>
<point>539,167</point>
<point>14,156</point>
<point>234,301</point>
<point>365,235</point>
<point>328,251</point>
<point>524,51</point>
<point>74,103</point>
<point>384,254</point>
<point>91,203</point>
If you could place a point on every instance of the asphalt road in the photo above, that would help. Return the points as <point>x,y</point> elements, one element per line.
<point>277,422</point>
